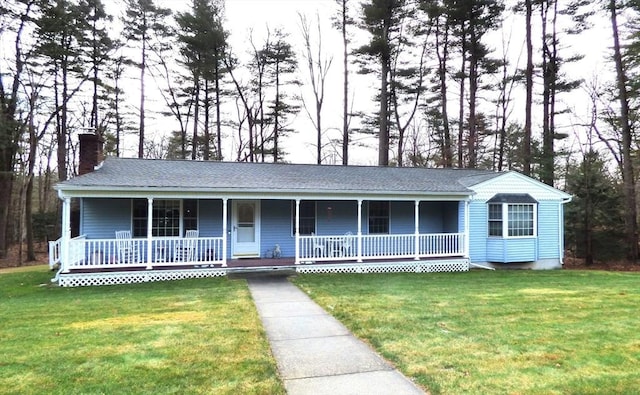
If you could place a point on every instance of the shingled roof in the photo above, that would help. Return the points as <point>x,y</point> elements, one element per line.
<point>138,174</point>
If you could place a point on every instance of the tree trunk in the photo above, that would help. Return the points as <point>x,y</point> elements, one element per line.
<point>526,153</point>
<point>196,114</point>
<point>547,161</point>
<point>473,89</point>
<point>206,154</point>
<point>383,135</point>
<point>28,201</point>
<point>447,151</point>
<point>143,66</point>
<point>461,100</point>
<point>345,87</point>
<point>6,186</point>
<point>62,125</point>
<point>588,213</point>
<point>276,114</point>
<point>94,60</point>
<point>319,130</point>
<point>631,225</point>
<point>218,122</point>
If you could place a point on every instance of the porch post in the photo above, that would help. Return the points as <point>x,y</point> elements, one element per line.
<point>359,230</point>
<point>466,229</point>
<point>224,232</point>
<point>66,233</point>
<point>149,233</point>
<point>297,261</point>
<point>417,229</point>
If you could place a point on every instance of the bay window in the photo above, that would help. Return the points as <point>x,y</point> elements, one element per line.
<point>512,215</point>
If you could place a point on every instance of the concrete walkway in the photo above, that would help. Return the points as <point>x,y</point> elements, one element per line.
<point>315,353</point>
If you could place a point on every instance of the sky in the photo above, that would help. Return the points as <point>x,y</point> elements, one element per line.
<point>244,16</point>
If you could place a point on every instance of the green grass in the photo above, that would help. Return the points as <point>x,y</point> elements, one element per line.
<point>503,332</point>
<point>193,336</point>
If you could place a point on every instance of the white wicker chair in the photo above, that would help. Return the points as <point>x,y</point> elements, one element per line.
<point>319,249</point>
<point>127,249</point>
<point>185,249</point>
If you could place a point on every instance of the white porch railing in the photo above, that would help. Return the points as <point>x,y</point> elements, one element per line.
<point>389,246</point>
<point>113,253</point>
<point>55,253</point>
<point>442,244</point>
<point>86,253</point>
<point>336,248</point>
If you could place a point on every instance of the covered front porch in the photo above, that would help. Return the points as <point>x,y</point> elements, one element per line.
<point>321,236</point>
<point>96,254</point>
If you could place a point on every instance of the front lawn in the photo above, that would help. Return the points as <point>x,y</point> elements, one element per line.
<point>482,332</point>
<point>193,336</point>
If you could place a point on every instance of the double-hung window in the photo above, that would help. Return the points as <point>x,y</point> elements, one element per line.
<point>378,218</point>
<point>512,215</point>
<point>307,218</point>
<point>171,217</point>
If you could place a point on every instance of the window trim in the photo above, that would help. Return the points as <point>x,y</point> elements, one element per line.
<point>181,219</point>
<point>293,217</point>
<point>388,217</point>
<point>505,220</point>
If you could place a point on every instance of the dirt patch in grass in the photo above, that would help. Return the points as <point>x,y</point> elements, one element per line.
<point>618,266</point>
<point>14,259</point>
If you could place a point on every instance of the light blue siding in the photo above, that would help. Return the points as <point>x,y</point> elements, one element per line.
<point>548,229</point>
<point>450,217</point>
<point>275,226</point>
<point>438,217</point>
<point>337,217</point>
<point>461,219</point>
<point>478,231</point>
<point>402,218</point>
<point>101,218</point>
<point>505,250</point>
<point>210,218</point>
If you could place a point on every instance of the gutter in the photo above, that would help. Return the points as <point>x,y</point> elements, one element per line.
<point>561,232</point>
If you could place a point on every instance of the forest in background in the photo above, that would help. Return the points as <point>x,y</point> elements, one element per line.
<point>445,94</point>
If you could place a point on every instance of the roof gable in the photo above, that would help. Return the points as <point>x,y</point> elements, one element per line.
<point>515,183</point>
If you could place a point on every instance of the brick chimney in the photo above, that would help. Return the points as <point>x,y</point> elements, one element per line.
<point>91,153</point>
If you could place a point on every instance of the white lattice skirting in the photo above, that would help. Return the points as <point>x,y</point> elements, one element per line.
<point>87,279</point>
<point>448,265</point>
<point>113,278</point>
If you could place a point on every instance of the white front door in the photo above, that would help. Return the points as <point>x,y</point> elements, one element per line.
<point>245,229</point>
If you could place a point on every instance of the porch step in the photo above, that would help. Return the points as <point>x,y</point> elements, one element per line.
<point>252,272</point>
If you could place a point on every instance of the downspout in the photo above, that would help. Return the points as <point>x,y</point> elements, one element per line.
<point>467,236</point>
<point>416,230</point>
<point>467,233</point>
<point>561,232</point>
<point>359,252</point>
<point>297,258</point>
<point>482,266</point>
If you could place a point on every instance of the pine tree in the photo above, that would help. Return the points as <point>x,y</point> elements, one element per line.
<point>203,45</point>
<point>61,33</point>
<point>382,19</point>
<point>145,23</point>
